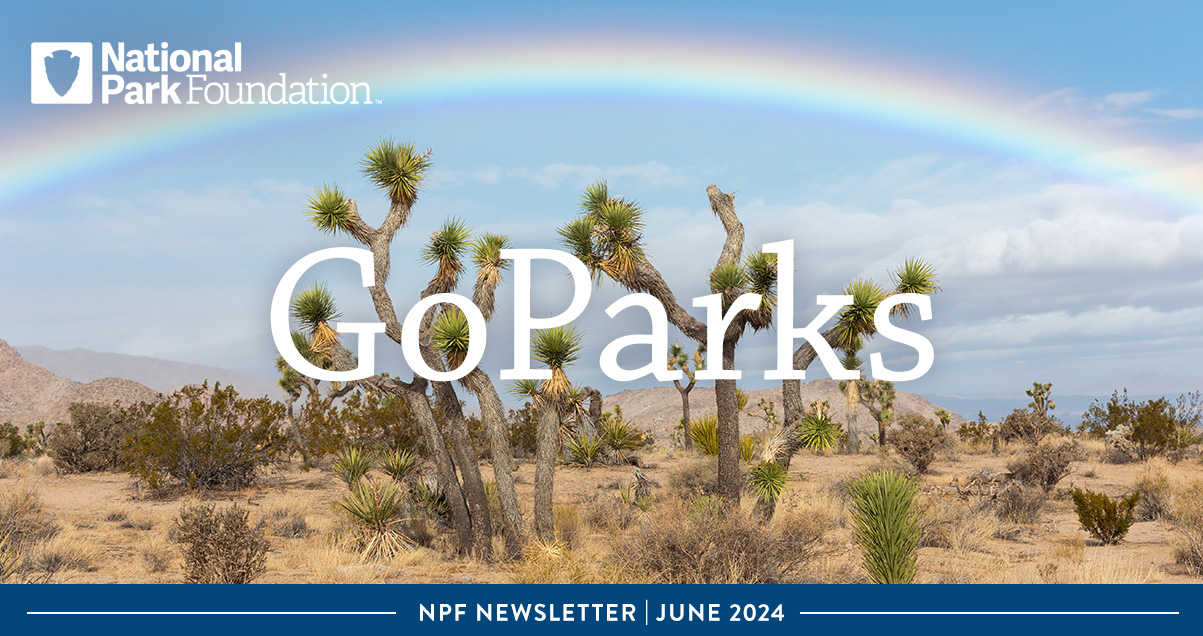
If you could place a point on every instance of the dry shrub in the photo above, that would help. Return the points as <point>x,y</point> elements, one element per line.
<point>1156,492</point>
<point>285,517</point>
<point>917,440</point>
<point>41,467</point>
<point>700,541</point>
<point>219,545</point>
<point>156,555</point>
<point>608,514</point>
<point>1046,464</point>
<point>1188,516</point>
<point>697,478</point>
<point>950,524</point>
<point>1020,504</point>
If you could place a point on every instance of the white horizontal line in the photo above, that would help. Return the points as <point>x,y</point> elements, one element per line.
<point>205,613</point>
<point>991,613</point>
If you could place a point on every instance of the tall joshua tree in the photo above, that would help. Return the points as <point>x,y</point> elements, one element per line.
<point>556,399</point>
<point>607,237</point>
<point>853,328</point>
<point>399,170</point>
<point>678,359</point>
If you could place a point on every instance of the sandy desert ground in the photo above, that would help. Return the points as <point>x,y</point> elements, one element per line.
<point>108,534</point>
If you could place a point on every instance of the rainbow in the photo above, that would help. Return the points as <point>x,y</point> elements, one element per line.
<point>969,111</point>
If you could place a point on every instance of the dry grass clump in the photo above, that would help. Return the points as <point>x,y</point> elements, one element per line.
<point>286,517</point>
<point>1156,492</point>
<point>24,519</point>
<point>555,562</point>
<point>331,565</point>
<point>66,550</point>
<point>699,541</point>
<point>953,525</point>
<point>156,555</point>
<point>1188,516</point>
<point>568,523</point>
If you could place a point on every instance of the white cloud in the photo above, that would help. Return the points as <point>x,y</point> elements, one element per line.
<point>1177,113</point>
<point>1020,329</point>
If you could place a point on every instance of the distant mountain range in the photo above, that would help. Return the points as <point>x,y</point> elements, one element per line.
<point>30,393</point>
<point>164,376</point>
<point>660,408</point>
<point>37,383</point>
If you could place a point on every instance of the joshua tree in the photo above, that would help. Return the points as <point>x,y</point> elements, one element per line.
<point>555,398</point>
<point>399,170</point>
<point>607,237</point>
<point>678,359</point>
<point>1041,402</point>
<point>852,389</point>
<point>878,396</point>
<point>856,320</point>
<point>854,326</point>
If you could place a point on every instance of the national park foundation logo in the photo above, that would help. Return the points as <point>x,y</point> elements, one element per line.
<point>60,73</point>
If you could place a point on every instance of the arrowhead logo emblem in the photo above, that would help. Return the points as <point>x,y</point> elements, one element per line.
<point>60,72</point>
<point>62,67</point>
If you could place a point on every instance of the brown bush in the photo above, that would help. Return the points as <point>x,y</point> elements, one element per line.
<point>700,541</point>
<point>1028,426</point>
<point>95,437</point>
<point>1046,464</point>
<point>1020,504</point>
<point>219,545</point>
<point>696,478</point>
<point>917,440</point>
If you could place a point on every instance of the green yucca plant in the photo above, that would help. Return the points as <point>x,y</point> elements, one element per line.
<point>584,449</point>
<point>818,433</point>
<point>768,480</point>
<point>351,465</point>
<point>397,169</point>
<point>748,445</point>
<point>428,494</point>
<point>399,464</point>
<point>315,309</point>
<point>451,336</point>
<point>329,210</point>
<point>10,559</point>
<point>618,435</point>
<point>704,432</point>
<point>886,525</point>
<point>376,506</point>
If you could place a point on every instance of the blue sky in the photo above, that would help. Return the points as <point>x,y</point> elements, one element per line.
<point>1049,273</point>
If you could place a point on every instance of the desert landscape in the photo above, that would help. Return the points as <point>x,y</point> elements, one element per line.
<point>981,517</point>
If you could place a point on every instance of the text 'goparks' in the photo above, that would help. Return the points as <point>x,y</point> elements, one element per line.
<point>185,76</point>
<point>718,319</point>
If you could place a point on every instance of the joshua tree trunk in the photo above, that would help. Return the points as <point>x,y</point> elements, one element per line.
<point>492,413</point>
<point>545,464</point>
<point>469,468</point>
<point>687,441</point>
<point>725,393</point>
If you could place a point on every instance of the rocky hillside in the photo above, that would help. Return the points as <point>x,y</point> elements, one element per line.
<point>659,409</point>
<point>29,393</point>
